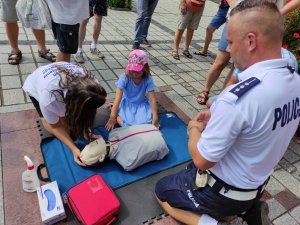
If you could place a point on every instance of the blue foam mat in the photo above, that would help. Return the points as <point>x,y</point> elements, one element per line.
<point>62,168</point>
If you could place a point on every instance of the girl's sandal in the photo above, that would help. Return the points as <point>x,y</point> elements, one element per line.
<point>203,97</point>
<point>175,55</point>
<point>187,54</point>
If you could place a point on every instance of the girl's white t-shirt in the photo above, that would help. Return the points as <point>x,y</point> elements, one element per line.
<point>40,85</point>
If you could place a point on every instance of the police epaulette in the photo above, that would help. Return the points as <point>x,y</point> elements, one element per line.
<point>240,89</point>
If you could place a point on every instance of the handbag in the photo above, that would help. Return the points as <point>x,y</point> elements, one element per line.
<point>93,202</point>
<point>195,5</point>
<point>34,14</point>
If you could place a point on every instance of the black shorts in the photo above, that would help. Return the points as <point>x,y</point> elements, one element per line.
<point>179,191</point>
<point>36,105</point>
<point>66,37</point>
<point>98,7</point>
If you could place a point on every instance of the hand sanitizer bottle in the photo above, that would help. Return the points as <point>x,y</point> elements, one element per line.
<point>30,179</point>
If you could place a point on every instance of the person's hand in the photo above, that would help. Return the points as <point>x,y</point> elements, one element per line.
<point>183,8</point>
<point>111,123</point>
<point>203,117</point>
<point>156,123</point>
<point>76,154</point>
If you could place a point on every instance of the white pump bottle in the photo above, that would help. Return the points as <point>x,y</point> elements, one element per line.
<point>30,179</point>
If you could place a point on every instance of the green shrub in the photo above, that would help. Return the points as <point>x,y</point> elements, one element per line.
<point>120,3</point>
<point>291,37</point>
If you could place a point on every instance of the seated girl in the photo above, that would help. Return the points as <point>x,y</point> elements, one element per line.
<point>135,101</point>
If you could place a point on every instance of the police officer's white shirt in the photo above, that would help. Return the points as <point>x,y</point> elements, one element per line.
<point>247,137</point>
<point>68,12</point>
<point>40,85</point>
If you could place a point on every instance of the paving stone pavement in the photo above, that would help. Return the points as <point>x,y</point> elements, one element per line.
<point>179,80</point>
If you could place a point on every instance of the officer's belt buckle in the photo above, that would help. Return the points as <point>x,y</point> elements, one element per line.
<point>201,180</point>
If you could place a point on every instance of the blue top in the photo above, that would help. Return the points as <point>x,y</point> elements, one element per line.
<point>135,107</point>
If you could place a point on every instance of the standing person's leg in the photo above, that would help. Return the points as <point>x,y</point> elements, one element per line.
<point>96,29</point>
<point>216,69</point>
<point>81,36</point>
<point>100,10</point>
<point>67,40</point>
<point>213,74</point>
<point>12,32</point>
<point>218,20</point>
<point>63,57</point>
<point>41,42</point>
<point>183,20</point>
<point>192,26</point>
<point>188,38</point>
<point>208,37</point>
<point>142,8</point>
<point>96,33</point>
<point>147,20</point>
<point>177,39</point>
<point>9,17</point>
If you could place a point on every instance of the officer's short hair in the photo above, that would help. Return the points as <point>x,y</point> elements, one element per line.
<point>257,4</point>
<point>267,10</point>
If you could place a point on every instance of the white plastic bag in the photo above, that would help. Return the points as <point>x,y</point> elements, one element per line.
<point>34,14</point>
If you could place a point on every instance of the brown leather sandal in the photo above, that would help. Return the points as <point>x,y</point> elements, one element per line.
<point>187,54</point>
<point>47,55</point>
<point>200,52</point>
<point>14,58</point>
<point>203,97</point>
<point>175,55</point>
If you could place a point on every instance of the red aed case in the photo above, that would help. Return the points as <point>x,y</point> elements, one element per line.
<point>93,202</point>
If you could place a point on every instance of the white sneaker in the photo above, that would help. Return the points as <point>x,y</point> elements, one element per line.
<point>79,57</point>
<point>96,51</point>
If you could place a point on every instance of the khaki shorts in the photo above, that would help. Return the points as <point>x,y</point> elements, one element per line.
<point>8,11</point>
<point>190,20</point>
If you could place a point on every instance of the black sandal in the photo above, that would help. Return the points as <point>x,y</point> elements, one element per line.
<point>47,55</point>
<point>187,54</point>
<point>175,55</point>
<point>199,52</point>
<point>14,58</point>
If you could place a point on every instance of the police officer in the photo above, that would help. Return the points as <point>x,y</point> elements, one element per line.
<point>236,145</point>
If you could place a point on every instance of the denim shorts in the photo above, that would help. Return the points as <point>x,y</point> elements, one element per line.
<point>179,191</point>
<point>219,18</point>
<point>66,37</point>
<point>223,41</point>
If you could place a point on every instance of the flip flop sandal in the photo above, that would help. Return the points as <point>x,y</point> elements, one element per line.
<point>14,58</point>
<point>47,55</point>
<point>202,97</point>
<point>199,52</point>
<point>187,54</point>
<point>175,55</point>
